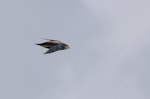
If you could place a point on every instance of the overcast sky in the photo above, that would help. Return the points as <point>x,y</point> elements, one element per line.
<point>109,56</point>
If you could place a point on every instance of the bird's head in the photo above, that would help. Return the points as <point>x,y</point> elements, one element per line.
<point>67,47</point>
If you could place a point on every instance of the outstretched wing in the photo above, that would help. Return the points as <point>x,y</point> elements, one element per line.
<point>53,41</point>
<point>48,39</point>
<point>54,48</point>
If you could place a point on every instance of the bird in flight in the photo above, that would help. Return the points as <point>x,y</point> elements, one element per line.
<point>53,46</point>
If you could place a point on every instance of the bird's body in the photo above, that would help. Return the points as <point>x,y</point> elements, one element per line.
<point>53,46</point>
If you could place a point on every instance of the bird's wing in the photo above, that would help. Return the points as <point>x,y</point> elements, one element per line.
<point>51,40</point>
<point>56,41</point>
<point>48,39</point>
<point>54,48</point>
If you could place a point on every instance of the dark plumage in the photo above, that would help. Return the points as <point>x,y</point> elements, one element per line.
<point>53,46</point>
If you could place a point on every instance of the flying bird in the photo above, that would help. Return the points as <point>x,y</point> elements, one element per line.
<point>53,46</point>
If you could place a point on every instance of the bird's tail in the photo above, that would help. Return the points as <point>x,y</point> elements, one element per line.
<point>37,44</point>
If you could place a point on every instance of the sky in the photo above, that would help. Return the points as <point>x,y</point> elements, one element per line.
<point>108,56</point>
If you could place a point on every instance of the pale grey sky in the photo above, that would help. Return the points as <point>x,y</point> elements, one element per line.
<point>108,58</point>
